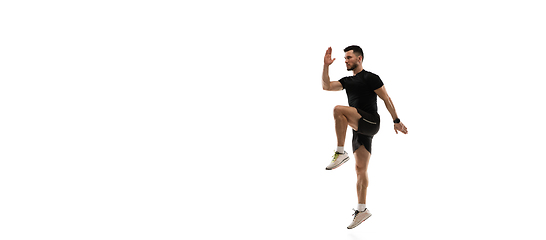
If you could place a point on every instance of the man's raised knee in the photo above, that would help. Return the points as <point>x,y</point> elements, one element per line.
<point>338,110</point>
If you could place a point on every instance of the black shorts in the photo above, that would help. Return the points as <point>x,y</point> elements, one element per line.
<point>368,126</point>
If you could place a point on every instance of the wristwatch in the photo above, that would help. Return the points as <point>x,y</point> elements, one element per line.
<point>397,120</point>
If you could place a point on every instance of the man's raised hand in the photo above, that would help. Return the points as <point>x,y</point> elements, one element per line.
<point>328,57</point>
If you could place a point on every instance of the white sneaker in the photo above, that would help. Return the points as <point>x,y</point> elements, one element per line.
<point>359,218</point>
<point>337,160</point>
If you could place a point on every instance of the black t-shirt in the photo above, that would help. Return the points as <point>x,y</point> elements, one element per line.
<point>360,90</point>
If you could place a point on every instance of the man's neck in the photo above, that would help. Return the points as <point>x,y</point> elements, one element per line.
<point>357,70</point>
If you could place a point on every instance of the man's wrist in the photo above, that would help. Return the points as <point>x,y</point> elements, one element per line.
<point>397,120</point>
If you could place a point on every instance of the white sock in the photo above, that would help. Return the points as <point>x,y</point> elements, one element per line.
<point>361,207</point>
<point>340,149</point>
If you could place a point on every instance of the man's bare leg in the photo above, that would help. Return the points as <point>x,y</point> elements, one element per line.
<point>344,116</point>
<point>362,158</point>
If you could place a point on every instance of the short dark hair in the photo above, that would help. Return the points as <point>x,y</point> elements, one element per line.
<point>356,50</point>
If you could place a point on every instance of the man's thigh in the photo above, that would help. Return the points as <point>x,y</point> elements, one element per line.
<point>362,158</point>
<point>351,114</point>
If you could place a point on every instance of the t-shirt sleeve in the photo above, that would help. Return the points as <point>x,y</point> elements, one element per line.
<point>342,81</point>
<point>376,82</point>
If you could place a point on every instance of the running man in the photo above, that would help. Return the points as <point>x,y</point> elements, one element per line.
<point>362,90</point>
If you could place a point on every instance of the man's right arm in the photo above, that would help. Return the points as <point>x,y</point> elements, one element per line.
<point>326,84</point>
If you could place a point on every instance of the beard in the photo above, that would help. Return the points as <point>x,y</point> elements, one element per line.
<point>351,68</point>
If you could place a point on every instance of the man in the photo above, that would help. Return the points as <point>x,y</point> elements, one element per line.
<point>362,90</point>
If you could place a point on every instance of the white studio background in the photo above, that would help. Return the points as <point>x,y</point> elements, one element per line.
<point>206,119</point>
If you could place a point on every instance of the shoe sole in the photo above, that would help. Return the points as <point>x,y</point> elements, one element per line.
<point>342,162</point>
<point>360,222</point>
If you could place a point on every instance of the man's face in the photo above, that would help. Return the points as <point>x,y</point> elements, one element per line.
<point>351,60</point>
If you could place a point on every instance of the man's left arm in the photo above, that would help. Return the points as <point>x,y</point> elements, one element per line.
<point>382,93</point>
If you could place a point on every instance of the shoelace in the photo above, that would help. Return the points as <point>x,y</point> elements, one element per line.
<point>336,155</point>
<point>356,213</point>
